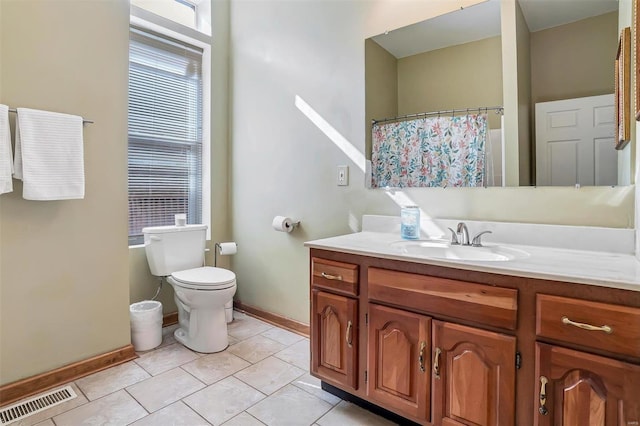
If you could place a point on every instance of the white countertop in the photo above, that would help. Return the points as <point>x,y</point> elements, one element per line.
<point>606,269</point>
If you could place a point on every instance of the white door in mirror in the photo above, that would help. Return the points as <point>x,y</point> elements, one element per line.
<point>575,142</point>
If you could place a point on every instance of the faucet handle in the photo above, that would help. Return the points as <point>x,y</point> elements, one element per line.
<point>454,237</point>
<point>477,239</point>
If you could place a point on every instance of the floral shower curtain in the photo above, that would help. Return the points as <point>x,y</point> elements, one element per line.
<point>430,152</point>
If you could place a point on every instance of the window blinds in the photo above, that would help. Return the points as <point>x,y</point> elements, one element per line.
<point>165,131</point>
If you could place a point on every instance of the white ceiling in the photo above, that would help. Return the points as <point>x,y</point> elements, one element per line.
<point>482,20</point>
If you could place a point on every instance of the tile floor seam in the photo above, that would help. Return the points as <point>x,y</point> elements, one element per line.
<point>198,414</point>
<point>331,407</point>
<point>248,384</point>
<point>273,340</point>
<point>89,401</point>
<point>268,394</point>
<point>136,400</point>
<point>183,397</point>
<point>243,411</point>
<point>145,370</point>
<point>322,415</point>
<point>248,414</point>
<point>192,375</point>
<point>175,402</point>
<point>252,416</point>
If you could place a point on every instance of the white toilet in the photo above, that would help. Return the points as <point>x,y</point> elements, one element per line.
<point>201,292</point>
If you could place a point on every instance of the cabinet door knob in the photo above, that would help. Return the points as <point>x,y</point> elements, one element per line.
<point>421,356</point>
<point>543,396</point>
<point>331,277</point>
<point>588,327</point>
<point>349,337</point>
<point>436,363</point>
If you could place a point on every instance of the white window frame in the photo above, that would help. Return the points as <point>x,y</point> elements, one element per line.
<point>185,34</point>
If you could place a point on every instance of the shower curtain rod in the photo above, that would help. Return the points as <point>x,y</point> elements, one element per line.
<point>497,109</point>
<point>15,111</point>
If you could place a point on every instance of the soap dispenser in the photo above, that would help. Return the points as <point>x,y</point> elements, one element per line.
<point>410,222</point>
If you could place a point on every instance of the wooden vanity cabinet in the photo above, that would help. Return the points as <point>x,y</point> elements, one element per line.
<point>442,346</point>
<point>334,323</point>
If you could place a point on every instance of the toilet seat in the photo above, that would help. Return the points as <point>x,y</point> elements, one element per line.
<point>205,278</point>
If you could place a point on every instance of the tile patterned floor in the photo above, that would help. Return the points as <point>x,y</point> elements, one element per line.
<point>261,379</point>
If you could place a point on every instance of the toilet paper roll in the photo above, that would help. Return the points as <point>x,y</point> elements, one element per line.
<point>227,248</point>
<point>282,224</point>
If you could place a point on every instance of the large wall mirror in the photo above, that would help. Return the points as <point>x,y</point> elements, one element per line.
<point>564,110</point>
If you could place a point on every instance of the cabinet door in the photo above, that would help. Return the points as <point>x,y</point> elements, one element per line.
<point>398,364</point>
<point>579,389</point>
<point>334,338</point>
<point>473,376</point>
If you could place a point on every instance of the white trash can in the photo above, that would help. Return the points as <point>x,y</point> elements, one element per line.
<point>146,324</point>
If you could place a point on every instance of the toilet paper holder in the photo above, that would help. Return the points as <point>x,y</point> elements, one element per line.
<point>284,224</point>
<point>218,248</point>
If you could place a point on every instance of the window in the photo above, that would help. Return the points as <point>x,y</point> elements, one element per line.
<point>194,14</point>
<point>165,131</point>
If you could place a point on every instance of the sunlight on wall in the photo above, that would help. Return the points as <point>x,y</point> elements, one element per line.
<point>341,142</point>
<point>427,225</point>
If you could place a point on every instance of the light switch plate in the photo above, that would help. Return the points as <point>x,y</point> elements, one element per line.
<point>343,175</point>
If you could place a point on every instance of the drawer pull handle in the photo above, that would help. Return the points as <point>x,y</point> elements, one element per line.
<point>349,337</point>
<point>331,277</point>
<point>543,396</point>
<point>421,356</point>
<point>436,363</point>
<point>589,327</point>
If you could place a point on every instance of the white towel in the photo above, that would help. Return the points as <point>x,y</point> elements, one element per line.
<point>49,155</point>
<point>6,156</point>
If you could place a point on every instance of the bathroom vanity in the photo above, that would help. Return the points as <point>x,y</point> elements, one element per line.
<point>453,342</point>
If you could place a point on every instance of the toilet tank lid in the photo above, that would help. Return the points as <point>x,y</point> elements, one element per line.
<point>172,228</point>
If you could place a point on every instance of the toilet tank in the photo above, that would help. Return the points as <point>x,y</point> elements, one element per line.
<point>174,248</point>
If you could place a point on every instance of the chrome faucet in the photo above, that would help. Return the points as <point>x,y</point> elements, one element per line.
<point>460,236</point>
<point>463,234</point>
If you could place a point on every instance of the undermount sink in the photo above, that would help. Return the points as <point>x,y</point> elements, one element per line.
<point>439,249</point>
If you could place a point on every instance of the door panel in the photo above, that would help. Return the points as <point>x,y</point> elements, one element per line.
<point>473,377</point>
<point>583,401</point>
<point>334,338</point>
<point>398,364</point>
<point>581,389</point>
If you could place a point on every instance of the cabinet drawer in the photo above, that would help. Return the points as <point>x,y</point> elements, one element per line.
<point>484,304</point>
<point>337,276</point>
<point>604,326</point>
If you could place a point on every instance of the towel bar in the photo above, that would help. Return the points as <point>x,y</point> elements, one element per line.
<point>83,120</point>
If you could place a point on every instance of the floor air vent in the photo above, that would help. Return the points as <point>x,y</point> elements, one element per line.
<point>34,405</point>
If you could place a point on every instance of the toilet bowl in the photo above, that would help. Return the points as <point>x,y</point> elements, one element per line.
<point>201,295</point>
<point>201,292</point>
